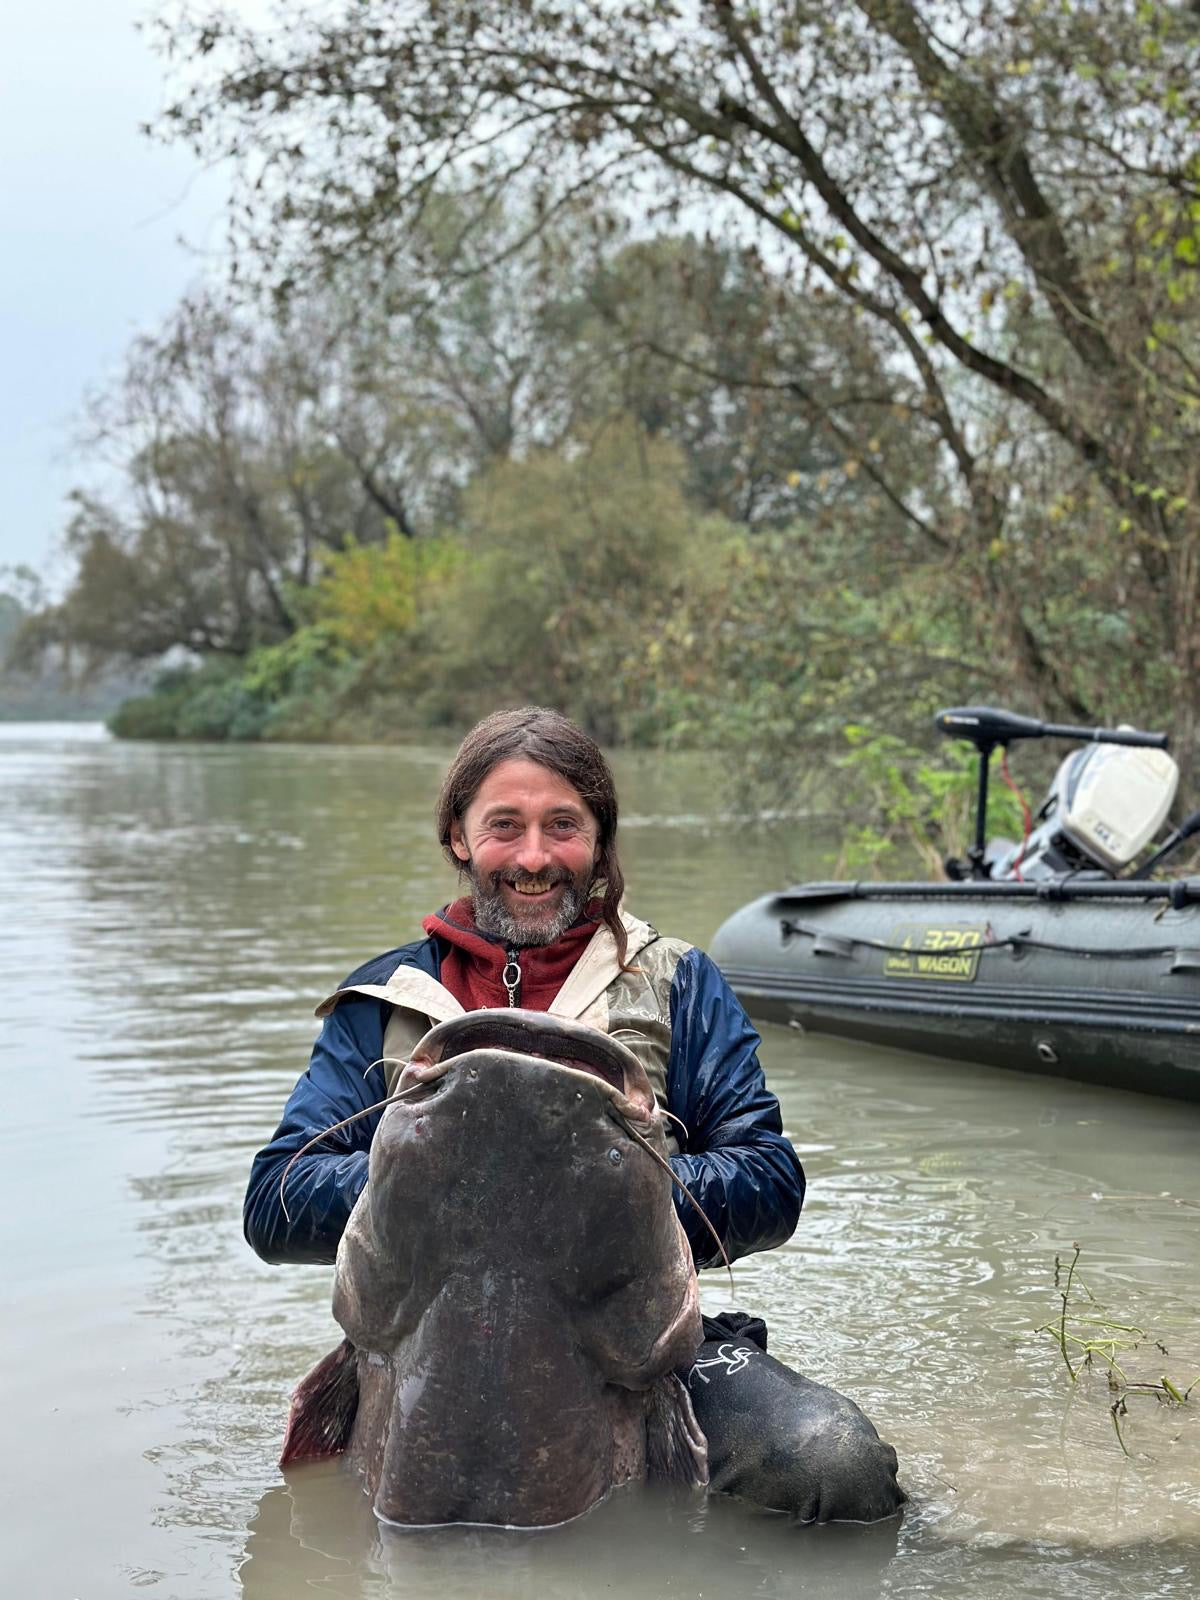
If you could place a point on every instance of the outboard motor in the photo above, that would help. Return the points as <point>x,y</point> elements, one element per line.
<point>1106,803</point>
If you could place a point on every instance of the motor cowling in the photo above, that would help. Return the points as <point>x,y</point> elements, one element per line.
<point>1104,806</point>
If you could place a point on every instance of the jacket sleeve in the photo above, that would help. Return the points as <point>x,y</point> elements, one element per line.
<point>738,1165</point>
<point>324,1184</point>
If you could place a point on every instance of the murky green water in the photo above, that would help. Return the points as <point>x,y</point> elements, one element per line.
<point>171,915</point>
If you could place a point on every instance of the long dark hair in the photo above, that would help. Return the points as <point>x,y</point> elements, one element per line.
<point>534,733</point>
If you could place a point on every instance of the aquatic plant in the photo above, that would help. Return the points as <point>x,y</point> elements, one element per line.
<point>1082,1329</point>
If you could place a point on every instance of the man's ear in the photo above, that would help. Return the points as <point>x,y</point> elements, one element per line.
<point>458,844</point>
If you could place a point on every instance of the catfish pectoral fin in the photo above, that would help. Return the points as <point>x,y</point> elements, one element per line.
<point>323,1408</point>
<point>676,1449</point>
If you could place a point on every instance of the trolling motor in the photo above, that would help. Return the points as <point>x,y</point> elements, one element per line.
<point>1106,803</point>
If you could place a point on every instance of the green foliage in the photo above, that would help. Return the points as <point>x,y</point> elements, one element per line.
<point>207,702</point>
<point>577,565</point>
<point>371,594</point>
<point>795,636</point>
<point>221,707</point>
<point>284,691</point>
<point>924,805</point>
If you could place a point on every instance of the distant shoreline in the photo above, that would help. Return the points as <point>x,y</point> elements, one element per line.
<point>89,728</point>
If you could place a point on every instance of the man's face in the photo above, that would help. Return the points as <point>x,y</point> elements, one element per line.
<point>530,844</point>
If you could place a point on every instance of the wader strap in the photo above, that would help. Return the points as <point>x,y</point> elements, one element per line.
<point>597,967</point>
<point>408,986</point>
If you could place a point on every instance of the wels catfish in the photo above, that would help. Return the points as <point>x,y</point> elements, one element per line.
<point>514,1285</point>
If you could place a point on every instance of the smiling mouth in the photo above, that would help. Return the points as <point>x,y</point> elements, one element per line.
<point>534,888</point>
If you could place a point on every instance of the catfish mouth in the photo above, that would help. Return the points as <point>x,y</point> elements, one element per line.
<point>608,1071</point>
<point>545,1044</point>
<point>532,1033</point>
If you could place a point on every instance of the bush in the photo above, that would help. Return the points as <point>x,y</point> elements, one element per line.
<point>210,701</point>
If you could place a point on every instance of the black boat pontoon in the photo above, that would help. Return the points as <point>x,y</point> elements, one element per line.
<point>1064,969</point>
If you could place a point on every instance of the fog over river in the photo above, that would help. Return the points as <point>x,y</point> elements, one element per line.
<point>171,915</point>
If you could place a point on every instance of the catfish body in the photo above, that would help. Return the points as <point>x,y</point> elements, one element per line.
<point>514,1285</point>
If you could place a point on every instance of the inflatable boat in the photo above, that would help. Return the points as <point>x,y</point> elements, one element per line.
<point>1054,955</point>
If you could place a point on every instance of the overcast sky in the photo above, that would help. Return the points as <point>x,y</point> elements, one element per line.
<point>90,218</point>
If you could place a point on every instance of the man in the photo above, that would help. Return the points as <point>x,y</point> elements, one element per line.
<point>528,814</point>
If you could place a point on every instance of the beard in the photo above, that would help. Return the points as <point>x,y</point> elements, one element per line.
<point>540,925</point>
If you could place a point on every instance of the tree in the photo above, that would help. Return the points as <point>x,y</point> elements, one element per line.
<point>696,340</point>
<point>576,561</point>
<point>248,447</point>
<point>254,443</point>
<point>1005,199</point>
<point>228,487</point>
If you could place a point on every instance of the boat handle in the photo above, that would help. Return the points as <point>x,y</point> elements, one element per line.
<point>828,944</point>
<point>1185,961</point>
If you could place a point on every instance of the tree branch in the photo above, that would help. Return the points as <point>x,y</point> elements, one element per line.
<point>991,138</point>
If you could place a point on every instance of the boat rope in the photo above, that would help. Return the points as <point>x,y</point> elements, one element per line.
<point>1012,941</point>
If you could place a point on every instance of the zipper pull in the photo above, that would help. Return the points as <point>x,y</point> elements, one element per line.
<point>511,977</point>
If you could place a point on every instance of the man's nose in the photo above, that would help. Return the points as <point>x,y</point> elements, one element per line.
<point>534,852</point>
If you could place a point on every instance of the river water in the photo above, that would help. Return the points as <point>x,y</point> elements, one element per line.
<point>170,917</point>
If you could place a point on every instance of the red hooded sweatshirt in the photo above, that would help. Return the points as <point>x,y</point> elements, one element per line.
<point>471,968</point>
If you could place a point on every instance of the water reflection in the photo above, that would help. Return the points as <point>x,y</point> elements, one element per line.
<point>318,1529</point>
